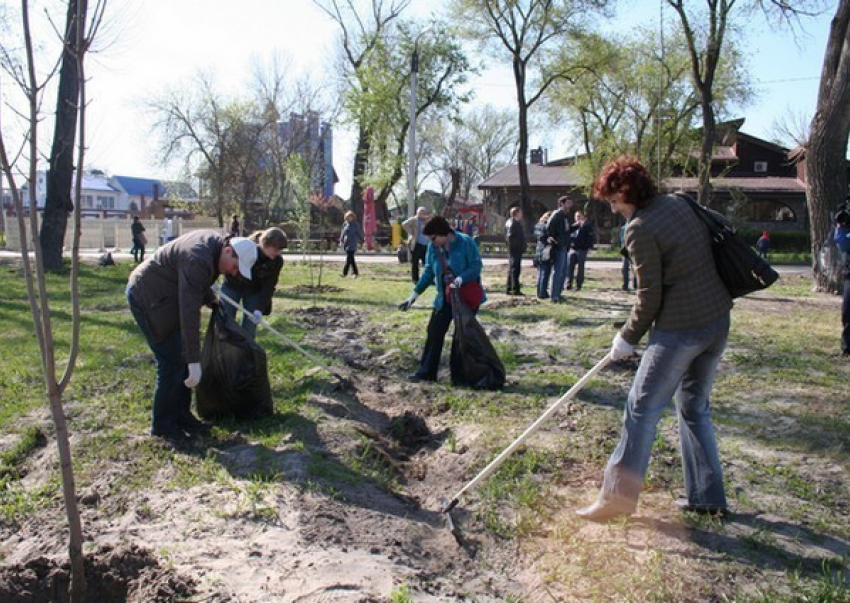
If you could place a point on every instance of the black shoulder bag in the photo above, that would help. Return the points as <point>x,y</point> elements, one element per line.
<point>739,266</point>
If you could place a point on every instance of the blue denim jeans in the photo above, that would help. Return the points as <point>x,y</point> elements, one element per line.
<point>172,400</point>
<point>250,302</point>
<point>681,363</point>
<point>559,271</point>
<point>544,271</point>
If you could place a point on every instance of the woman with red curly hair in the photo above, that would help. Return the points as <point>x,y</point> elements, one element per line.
<point>680,296</point>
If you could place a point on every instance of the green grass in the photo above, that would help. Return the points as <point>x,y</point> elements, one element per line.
<point>780,407</point>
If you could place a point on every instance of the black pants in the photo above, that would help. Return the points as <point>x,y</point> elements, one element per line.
<point>514,269</point>
<point>417,257</point>
<point>438,326</point>
<point>845,319</point>
<point>349,262</point>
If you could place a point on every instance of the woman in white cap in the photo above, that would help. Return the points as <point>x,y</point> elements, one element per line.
<point>165,293</point>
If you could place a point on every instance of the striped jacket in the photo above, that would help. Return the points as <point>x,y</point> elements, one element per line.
<point>678,286</point>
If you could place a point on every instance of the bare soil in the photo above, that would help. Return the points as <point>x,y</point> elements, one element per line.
<point>306,538</point>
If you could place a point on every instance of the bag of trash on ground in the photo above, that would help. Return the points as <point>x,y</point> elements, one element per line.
<point>235,378</point>
<point>474,362</point>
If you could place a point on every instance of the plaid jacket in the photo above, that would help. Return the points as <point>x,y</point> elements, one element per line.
<point>678,286</point>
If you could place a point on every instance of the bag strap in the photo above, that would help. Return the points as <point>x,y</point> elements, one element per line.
<point>718,230</point>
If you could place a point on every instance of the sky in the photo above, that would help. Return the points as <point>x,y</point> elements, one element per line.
<point>152,45</point>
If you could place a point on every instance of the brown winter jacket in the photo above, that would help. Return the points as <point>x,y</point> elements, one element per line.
<point>678,286</point>
<point>173,284</point>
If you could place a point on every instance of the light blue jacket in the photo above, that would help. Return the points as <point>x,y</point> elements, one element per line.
<point>463,259</point>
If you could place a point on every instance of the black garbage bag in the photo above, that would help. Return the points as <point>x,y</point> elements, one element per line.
<point>474,362</point>
<point>235,377</point>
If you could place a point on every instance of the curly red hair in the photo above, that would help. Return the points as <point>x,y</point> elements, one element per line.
<point>626,175</point>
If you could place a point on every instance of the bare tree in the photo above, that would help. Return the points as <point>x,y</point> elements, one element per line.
<point>24,74</point>
<point>826,155</point>
<point>705,29</point>
<point>462,152</point>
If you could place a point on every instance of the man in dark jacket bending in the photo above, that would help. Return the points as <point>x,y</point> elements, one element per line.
<point>165,294</point>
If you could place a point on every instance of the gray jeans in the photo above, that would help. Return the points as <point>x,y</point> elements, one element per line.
<point>681,363</point>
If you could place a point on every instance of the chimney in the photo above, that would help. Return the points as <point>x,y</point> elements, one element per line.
<point>538,156</point>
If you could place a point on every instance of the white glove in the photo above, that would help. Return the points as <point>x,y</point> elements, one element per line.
<point>620,348</point>
<point>257,316</point>
<point>194,375</point>
<point>457,282</point>
<point>406,304</point>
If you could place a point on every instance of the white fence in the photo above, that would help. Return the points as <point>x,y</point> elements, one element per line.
<point>110,234</point>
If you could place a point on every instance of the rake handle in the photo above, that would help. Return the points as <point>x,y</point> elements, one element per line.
<point>283,337</point>
<point>494,464</point>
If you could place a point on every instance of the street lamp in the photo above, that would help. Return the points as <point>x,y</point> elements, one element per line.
<point>411,134</point>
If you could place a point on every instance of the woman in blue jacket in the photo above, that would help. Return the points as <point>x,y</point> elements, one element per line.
<point>462,260</point>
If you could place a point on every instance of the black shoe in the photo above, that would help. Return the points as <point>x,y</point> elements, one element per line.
<point>687,507</point>
<point>416,378</point>
<point>558,300</point>
<point>173,434</point>
<point>194,426</point>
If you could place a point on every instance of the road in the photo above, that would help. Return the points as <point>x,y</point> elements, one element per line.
<point>385,258</point>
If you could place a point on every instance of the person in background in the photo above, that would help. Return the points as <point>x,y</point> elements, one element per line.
<point>560,226</point>
<point>626,267</point>
<point>165,294</point>
<point>256,292</point>
<point>515,237</point>
<point>463,260</point>
<point>350,239</point>
<point>544,262</point>
<point>685,304</point>
<point>583,239</point>
<point>235,228</point>
<point>417,242</point>
<point>167,232</point>
<point>763,244</point>
<point>842,240</point>
<point>137,229</point>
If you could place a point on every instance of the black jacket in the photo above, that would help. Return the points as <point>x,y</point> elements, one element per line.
<point>515,236</point>
<point>264,277</point>
<point>559,227</point>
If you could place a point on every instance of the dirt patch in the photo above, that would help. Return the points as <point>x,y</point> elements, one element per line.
<point>123,575</point>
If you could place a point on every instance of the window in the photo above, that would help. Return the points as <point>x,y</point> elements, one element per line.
<point>771,211</point>
<point>760,167</point>
<point>88,201</point>
<point>105,202</point>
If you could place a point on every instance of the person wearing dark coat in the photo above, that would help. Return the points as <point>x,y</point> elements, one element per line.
<point>560,228</point>
<point>350,239</point>
<point>137,229</point>
<point>842,240</point>
<point>256,292</point>
<point>165,294</point>
<point>542,257</point>
<point>583,240</point>
<point>515,235</point>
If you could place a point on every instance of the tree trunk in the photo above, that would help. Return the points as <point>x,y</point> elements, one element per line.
<point>58,202</point>
<point>361,162</point>
<point>708,134</point>
<point>826,163</point>
<point>522,152</point>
